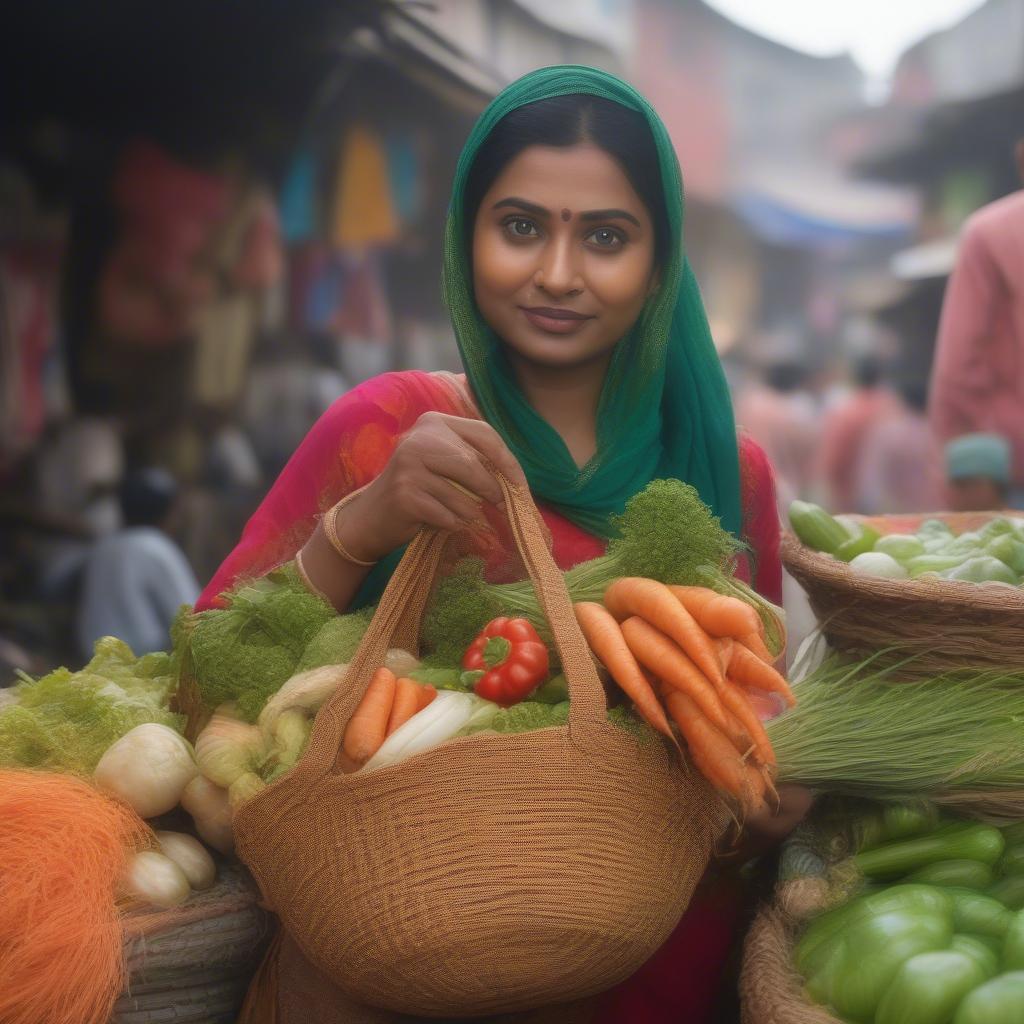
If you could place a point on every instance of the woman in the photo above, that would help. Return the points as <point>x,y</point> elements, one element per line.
<point>589,371</point>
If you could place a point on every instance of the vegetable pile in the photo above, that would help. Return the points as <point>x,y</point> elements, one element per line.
<point>66,720</point>
<point>860,729</point>
<point>935,931</point>
<point>666,533</point>
<point>993,554</point>
<point>697,658</point>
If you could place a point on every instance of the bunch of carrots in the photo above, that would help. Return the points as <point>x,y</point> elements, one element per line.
<point>389,702</point>
<point>695,658</point>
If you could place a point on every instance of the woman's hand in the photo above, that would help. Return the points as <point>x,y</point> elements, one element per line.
<point>767,828</point>
<point>417,487</point>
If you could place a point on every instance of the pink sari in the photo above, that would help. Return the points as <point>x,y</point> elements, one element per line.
<point>346,449</point>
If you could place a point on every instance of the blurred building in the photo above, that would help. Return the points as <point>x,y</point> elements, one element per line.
<point>773,219</point>
<point>946,132</point>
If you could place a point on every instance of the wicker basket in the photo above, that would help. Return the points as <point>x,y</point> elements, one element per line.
<point>192,965</point>
<point>946,623</point>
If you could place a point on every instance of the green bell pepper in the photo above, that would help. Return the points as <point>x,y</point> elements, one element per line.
<point>873,952</point>
<point>1009,891</point>
<point>999,1001</point>
<point>928,988</point>
<point>1012,861</point>
<point>824,931</point>
<point>978,914</point>
<point>983,948</point>
<point>1013,944</point>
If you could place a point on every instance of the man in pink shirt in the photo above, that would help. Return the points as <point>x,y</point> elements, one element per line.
<point>978,379</point>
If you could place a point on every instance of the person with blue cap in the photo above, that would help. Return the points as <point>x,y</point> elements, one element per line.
<point>978,471</point>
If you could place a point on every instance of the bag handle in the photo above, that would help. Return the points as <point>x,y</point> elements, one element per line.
<point>400,612</point>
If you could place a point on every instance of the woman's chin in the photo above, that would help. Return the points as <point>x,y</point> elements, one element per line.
<point>555,353</point>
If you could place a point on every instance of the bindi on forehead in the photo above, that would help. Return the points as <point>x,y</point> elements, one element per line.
<point>567,214</point>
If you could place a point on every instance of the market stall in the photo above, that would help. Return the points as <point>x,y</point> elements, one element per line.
<point>900,898</point>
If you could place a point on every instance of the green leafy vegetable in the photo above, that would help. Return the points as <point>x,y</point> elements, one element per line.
<point>336,641</point>
<point>666,533</point>
<point>66,720</point>
<point>245,652</point>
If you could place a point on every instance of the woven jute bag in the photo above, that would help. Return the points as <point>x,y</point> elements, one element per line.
<point>494,873</point>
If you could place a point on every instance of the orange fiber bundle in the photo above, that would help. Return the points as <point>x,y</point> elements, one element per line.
<point>63,848</point>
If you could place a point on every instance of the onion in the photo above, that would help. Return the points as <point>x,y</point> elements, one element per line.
<point>148,767</point>
<point>208,804</point>
<point>228,747</point>
<point>152,877</point>
<point>190,855</point>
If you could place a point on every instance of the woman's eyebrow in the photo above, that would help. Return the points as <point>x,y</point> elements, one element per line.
<point>522,204</point>
<point>609,215</point>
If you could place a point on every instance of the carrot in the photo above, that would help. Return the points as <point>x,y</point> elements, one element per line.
<point>747,669</point>
<point>712,754</point>
<point>605,638</point>
<point>657,652</point>
<point>753,642</point>
<point>758,787</point>
<point>406,703</point>
<point>368,725</point>
<point>738,735</point>
<point>427,693</point>
<point>718,614</point>
<point>737,702</point>
<point>725,645</point>
<point>653,602</point>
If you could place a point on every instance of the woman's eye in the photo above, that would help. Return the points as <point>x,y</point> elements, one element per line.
<point>521,228</point>
<point>606,238</point>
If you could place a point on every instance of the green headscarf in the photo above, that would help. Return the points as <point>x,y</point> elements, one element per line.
<point>664,410</point>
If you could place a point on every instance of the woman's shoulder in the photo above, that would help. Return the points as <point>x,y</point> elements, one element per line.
<point>401,396</point>
<point>756,471</point>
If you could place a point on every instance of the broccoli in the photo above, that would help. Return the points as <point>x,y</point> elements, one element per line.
<point>247,651</point>
<point>336,641</point>
<point>666,533</point>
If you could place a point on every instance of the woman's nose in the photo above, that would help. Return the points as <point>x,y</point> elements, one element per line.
<point>558,273</point>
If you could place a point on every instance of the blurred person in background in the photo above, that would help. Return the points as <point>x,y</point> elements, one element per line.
<point>844,430</point>
<point>896,473</point>
<point>78,471</point>
<point>137,578</point>
<point>780,415</point>
<point>978,383</point>
<point>589,371</point>
<point>978,473</point>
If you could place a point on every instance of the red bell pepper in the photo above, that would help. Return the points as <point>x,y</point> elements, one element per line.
<point>512,657</point>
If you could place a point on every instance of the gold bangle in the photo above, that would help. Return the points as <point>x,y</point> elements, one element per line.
<point>330,525</point>
<point>300,569</point>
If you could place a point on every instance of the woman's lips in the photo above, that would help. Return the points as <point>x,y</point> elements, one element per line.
<point>555,321</point>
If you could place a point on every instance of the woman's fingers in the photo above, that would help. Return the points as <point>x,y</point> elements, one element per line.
<point>430,511</point>
<point>458,463</point>
<point>463,505</point>
<point>487,441</point>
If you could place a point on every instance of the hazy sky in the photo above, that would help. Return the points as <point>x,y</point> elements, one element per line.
<point>875,32</point>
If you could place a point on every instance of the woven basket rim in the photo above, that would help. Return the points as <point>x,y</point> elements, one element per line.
<point>818,567</point>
